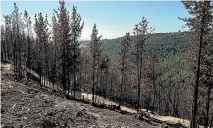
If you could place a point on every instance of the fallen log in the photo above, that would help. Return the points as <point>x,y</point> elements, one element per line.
<point>171,121</point>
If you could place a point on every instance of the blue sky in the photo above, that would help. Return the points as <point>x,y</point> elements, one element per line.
<point>113,18</point>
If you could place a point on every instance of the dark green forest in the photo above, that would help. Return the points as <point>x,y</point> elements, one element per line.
<point>165,43</point>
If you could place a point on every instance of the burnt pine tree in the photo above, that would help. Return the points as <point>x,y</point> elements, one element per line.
<point>6,45</point>
<point>98,66</point>
<point>38,66</point>
<point>76,29</point>
<point>7,39</point>
<point>46,51</point>
<point>142,32</point>
<point>95,51</point>
<point>64,34</point>
<point>3,40</point>
<point>199,24</point>
<point>39,48</point>
<point>105,64</point>
<point>125,46</point>
<point>16,23</point>
<point>28,26</point>
<point>55,40</point>
<point>206,73</point>
<point>41,30</point>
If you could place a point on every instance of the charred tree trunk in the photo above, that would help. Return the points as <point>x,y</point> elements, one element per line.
<point>207,106</point>
<point>74,66</point>
<point>93,79</point>
<point>195,96</point>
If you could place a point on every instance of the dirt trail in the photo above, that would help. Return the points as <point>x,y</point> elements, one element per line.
<point>31,106</point>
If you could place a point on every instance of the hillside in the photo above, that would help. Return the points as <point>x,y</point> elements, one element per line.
<point>32,106</point>
<point>163,43</point>
<point>35,106</point>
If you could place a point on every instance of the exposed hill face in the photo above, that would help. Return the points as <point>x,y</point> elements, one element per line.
<point>163,43</point>
<point>38,106</point>
<point>35,107</point>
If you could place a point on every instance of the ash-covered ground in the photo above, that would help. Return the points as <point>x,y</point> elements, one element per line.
<point>31,106</point>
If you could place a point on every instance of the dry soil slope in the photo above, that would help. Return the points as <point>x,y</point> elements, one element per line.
<point>30,106</point>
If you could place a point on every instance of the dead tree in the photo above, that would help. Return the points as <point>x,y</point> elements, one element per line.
<point>142,33</point>
<point>199,26</point>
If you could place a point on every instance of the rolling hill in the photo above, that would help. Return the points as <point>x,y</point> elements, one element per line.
<point>163,43</point>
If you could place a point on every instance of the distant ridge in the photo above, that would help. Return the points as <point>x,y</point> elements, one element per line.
<point>163,43</point>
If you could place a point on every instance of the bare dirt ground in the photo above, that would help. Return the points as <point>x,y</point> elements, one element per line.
<point>30,106</point>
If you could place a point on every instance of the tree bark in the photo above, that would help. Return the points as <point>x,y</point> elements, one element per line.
<point>207,106</point>
<point>195,97</point>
